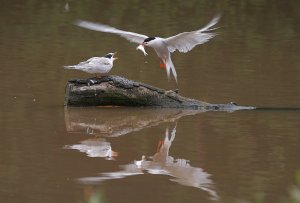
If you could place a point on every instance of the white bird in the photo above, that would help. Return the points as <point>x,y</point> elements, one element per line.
<point>183,42</point>
<point>96,65</point>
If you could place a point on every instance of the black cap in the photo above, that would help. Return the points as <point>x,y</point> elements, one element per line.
<point>108,55</point>
<point>149,39</point>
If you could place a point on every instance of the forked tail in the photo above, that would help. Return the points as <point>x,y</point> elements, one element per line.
<point>170,66</point>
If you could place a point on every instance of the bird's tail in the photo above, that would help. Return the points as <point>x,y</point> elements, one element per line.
<point>170,66</point>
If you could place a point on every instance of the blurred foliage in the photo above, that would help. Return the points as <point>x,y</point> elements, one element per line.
<point>295,191</point>
<point>293,195</point>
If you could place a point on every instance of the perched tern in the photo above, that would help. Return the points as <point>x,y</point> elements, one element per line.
<point>96,65</point>
<point>183,42</point>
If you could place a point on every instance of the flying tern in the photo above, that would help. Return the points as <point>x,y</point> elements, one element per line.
<point>96,65</point>
<point>183,42</point>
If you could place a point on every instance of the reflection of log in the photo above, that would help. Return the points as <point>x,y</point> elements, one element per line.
<point>115,122</point>
<point>118,91</point>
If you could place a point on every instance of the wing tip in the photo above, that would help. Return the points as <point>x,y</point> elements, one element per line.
<point>81,23</point>
<point>211,23</point>
<point>68,67</point>
<point>215,20</point>
<point>77,22</point>
<point>217,17</point>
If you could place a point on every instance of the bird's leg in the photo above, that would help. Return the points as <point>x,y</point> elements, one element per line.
<point>160,144</point>
<point>97,76</point>
<point>162,64</point>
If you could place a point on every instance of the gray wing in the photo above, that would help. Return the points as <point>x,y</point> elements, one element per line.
<point>186,41</point>
<point>91,63</point>
<point>131,36</point>
<point>98,61</point>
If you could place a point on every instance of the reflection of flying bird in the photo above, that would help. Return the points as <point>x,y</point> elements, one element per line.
<point>161,163</point>
<point>182,42</point>
<point>96,65</point>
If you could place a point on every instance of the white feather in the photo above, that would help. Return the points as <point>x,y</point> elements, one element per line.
<point>131,36</point>
<point>186,41</point>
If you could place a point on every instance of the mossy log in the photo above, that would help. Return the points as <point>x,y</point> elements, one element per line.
<point>119,91</point>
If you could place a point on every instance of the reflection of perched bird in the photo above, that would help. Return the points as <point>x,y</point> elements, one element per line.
<point>96,65</point>
<point>182,42</point>
<point>95,148</point>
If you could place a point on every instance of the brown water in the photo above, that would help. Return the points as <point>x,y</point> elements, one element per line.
<point>52,154</point>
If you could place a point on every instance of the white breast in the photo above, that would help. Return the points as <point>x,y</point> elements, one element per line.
<point>160,48</point>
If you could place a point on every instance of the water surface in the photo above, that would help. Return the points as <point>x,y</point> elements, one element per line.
<point>54,154</point>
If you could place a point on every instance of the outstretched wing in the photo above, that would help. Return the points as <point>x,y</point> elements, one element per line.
<point>131,36</point>
<point>186,41</point>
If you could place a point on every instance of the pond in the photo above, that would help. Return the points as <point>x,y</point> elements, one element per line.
<point>51,153</point>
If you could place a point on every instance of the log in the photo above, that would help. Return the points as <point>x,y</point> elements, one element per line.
<point>118,91</point>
